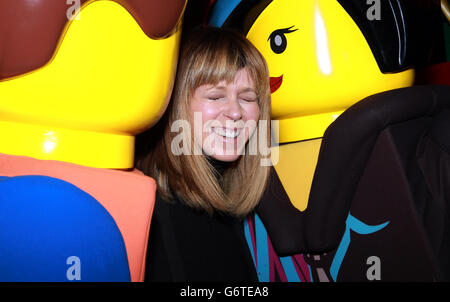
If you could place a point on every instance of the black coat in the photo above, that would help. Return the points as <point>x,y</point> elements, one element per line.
<point>190,245</point>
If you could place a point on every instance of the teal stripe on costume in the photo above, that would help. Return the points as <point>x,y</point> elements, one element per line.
<point>222,9</point>
<point>289,269</point>
<point>262,250</point>
<point>340,253</point>
<point>361,228</point>
<point>357,226</point>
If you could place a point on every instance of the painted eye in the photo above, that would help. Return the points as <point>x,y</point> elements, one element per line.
<point>278,41</point>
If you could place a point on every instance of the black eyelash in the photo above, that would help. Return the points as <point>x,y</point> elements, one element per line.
<point>287,30</point>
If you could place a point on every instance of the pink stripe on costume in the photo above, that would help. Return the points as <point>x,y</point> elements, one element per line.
<point>301,265</point>
<point>252,235</point>
<point>275,264</point>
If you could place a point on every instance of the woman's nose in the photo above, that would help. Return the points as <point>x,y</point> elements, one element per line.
<point>233,109</point>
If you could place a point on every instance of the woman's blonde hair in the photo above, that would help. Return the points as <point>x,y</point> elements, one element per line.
<point>209,56</point>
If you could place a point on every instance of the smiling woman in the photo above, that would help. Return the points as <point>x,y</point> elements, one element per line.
<point>225,109</point>
<point>222,93</point>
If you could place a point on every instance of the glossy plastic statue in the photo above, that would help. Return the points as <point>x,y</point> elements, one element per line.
<point>78,81</point>
<point>325,56</point>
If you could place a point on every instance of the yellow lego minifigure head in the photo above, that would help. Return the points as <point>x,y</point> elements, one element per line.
<point>324,55</point>
<point>79,79</point>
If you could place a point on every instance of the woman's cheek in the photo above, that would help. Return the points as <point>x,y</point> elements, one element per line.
<point>251,112</point>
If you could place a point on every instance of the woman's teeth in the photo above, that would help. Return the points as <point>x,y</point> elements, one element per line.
<point>229,133</point>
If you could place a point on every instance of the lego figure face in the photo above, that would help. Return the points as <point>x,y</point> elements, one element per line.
<point>319,61</point>
<point>107,76</point>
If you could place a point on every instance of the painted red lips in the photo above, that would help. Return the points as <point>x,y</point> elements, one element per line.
<point>275,83</point>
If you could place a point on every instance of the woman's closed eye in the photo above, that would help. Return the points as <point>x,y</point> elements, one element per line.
<point>248,98</point>
<point>215,97</point>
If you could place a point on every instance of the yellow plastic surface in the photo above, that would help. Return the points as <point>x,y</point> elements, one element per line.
<point>107,82</point>
<point>327,65</point>
<point>295,168</point>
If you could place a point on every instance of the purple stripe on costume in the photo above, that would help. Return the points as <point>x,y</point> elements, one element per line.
<point>272,267</point>
<point>275,261</point>
<point>252,235</point>
<point>301,265</point>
